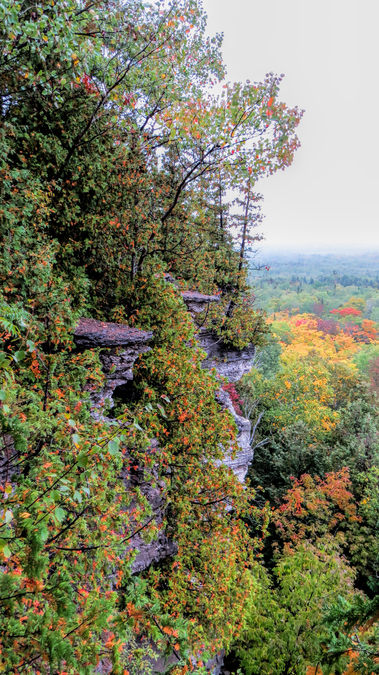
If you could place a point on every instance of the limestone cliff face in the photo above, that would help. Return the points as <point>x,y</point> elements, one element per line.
<point>240,463</point>
<point>123,346</point>
<point>197,302</point>
<point>161,547</point>
<point>228,362</point>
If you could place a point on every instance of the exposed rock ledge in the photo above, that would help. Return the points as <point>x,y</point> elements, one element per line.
<point>197,302</point>
<point>123,345</point>
<point>230,363</point>
<point>240,464</point>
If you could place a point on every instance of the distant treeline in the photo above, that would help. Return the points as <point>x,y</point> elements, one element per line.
<point>344,280</point>
<point>360,265</point>
<point>305,282</point>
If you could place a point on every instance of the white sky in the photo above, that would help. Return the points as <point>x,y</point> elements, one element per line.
<point>328,50</point>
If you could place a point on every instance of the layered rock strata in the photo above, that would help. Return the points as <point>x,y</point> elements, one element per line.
<point>124,346</point>
<point>228,362</point>
<point>197,302</point>
<point>231,364</point>
<point>161,547</point>
<point>239,463</point>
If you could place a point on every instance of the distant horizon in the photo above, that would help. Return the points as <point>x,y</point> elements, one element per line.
<point>316,248</point>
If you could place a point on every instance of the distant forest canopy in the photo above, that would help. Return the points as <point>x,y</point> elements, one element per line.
<point>316,283</point>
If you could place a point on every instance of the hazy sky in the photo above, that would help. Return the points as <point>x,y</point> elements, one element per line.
<point>328,50</point>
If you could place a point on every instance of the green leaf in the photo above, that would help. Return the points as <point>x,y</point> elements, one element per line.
<point>6,552</point>
<point>6,408</point>
<point>82,460</point>
<point>3,395</point>
<point>19,356</point>
<point>113,448</point>
<point>44,532</point>
<point>71,423</point>
<point>75,439</point>
<point>59,514</point>
<point>31,345</point>
<point>8,516</point>
<point>56,495</point>
<point>78,496</point>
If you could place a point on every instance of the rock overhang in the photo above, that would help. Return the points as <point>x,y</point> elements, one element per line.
<point>91,333</point>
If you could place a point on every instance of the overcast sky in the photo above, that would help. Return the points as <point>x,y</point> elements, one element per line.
<point>328,50</point>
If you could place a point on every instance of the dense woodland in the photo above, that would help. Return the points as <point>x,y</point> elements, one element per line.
<point>315,283</point>
<point>121,163</point>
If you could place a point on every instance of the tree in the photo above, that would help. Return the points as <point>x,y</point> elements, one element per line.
<point>284,629</point>
<point>138,120</point>
<point>111,141</point>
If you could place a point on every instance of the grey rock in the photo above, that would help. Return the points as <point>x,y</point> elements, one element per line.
<point>124,344</point>
<point>214,666</point>
<point>153,552</point>
<point>92,333</point>
<point>197,302</point>
<point>170,279</point>
<point>8,461</point>
<point>135,476</point>
<point>162,546</point>
<point>240,463</point>
<point>230,363</point>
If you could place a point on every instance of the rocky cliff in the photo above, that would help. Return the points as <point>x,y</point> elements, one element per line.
<point>229,363</point>
<point>122,345</point>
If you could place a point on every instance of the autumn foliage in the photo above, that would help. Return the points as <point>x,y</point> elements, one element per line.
<point>117,159</point>
<point>127,179</point>
<point>346,311</point>
<point>316,469</point>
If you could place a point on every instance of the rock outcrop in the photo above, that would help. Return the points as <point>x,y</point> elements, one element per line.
<point>124,346</point>
<point>228,362</point>
<point>198,302</point>
<point>232,364</point>
<point>239,464</point>
<point>161,547</point>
